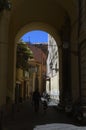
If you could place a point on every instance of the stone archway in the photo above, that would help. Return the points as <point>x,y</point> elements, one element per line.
<point>51,14</point>
<point>51,29</point>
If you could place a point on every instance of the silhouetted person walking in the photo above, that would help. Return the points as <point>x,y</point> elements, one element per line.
<point>36,99</point>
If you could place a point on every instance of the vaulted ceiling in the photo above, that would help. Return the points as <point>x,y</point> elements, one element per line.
<point>49,12</point>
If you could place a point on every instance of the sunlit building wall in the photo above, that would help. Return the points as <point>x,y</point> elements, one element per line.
<point>52,84</point>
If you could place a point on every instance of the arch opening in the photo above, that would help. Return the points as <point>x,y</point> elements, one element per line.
<point>51,75</point>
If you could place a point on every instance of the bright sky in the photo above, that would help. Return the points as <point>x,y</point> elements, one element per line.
<point>35,36</point>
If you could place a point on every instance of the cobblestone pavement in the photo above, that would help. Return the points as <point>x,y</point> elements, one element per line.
<point>24,117</point>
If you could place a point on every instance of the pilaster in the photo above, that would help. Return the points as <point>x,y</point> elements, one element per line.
<point>4,24</point>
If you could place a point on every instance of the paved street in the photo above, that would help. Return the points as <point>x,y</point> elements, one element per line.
<point>59,126</point>
<point>24,117</point>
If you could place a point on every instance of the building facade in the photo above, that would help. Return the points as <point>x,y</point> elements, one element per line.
<point>39,62</point>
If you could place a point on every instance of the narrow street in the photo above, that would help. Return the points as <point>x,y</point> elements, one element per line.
<point>24,117</point>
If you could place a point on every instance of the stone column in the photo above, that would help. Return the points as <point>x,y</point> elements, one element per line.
<point>4,24</point>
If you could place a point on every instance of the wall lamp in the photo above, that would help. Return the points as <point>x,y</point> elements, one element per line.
<point>5,4</point>
<point>51,67</point>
